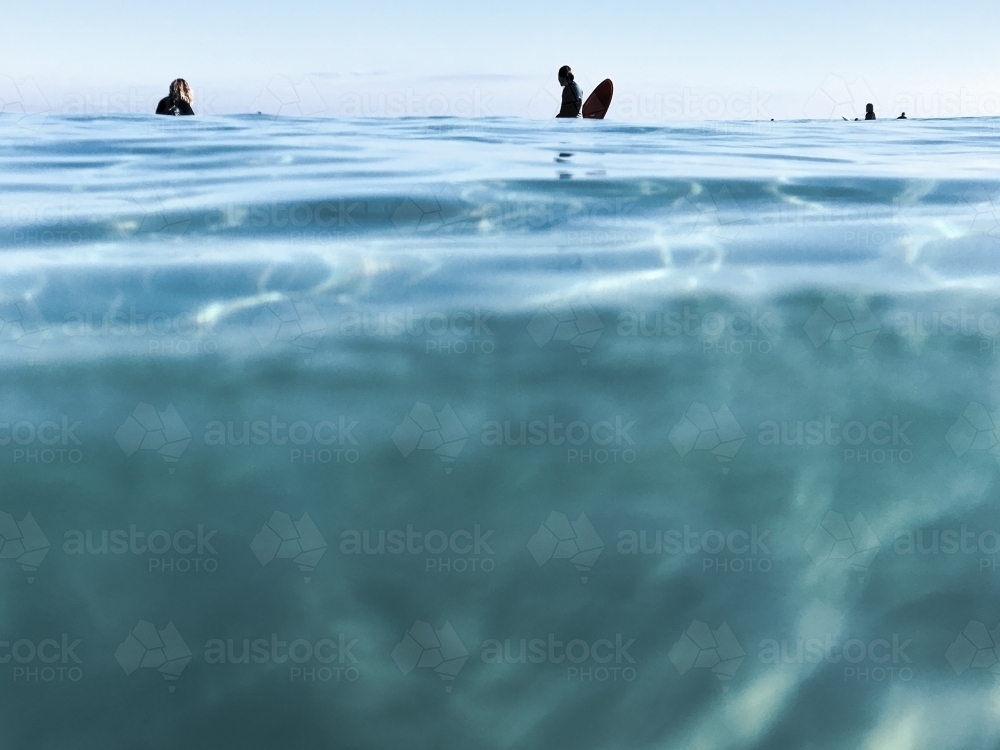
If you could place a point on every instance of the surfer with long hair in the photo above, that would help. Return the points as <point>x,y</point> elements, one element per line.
<point>178,101</point>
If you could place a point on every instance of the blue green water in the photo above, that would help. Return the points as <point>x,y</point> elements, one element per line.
<point>442,433</point>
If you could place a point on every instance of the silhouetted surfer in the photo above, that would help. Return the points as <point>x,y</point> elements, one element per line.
<point>902,116</point>
<point>869,112</point>
<point>178,102</point>
<point>572,96</point>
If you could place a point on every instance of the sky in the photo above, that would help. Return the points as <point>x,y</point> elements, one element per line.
<point>756,60</point>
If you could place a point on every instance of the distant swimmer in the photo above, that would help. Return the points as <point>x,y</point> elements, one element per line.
<point>902,116</point>
<point>572,96</point>
<point>179,100</point>
<point>869,112</point>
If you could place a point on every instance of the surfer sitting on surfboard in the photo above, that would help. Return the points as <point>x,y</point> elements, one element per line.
<point>869,113</point>
<point>572,96</point>
<point>178,102</point>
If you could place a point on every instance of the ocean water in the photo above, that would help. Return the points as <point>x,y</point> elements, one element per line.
<point>497,433</point>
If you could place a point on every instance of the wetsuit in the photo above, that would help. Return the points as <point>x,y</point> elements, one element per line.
<point>168,106</point>
<point>572,100</point>
<point>870,116</point>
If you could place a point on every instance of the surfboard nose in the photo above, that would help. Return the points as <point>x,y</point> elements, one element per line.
<point>599,101</point>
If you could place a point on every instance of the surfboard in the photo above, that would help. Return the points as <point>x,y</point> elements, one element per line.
<point>597,103</point>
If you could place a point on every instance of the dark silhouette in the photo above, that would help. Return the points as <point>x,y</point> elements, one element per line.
<point>869,112</point>
<point>902,116</point>
<point>572,96</point>
<point>178,102</point>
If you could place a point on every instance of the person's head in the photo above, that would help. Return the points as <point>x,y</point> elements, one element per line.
<point>565,75</point>
<point>180,91</point>
<point>870,108</point>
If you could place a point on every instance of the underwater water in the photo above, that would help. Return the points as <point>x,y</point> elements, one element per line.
<point>496,433</point>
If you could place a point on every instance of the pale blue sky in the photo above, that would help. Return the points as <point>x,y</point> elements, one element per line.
<point>231,51</point>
